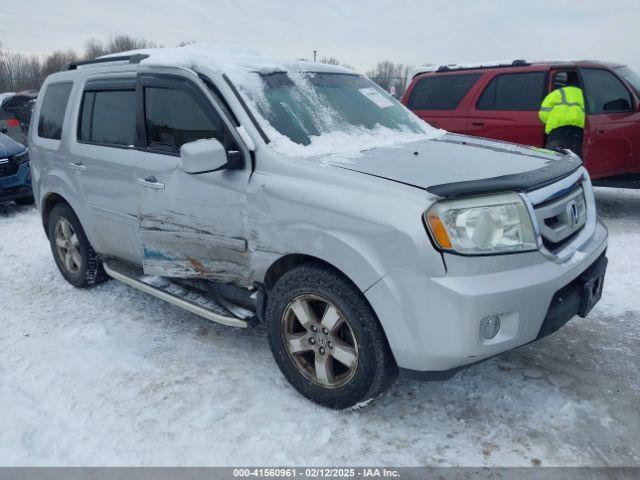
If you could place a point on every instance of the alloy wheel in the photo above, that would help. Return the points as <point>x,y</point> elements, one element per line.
<point>320,341</point>
<point>68,246</point>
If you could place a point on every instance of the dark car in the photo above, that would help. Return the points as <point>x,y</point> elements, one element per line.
<point>502,100</point>
<point>15,172</point>
<point>15,115</point>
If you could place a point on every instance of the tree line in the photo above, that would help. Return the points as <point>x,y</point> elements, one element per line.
<point>389,75</point>
<point>19,71</point>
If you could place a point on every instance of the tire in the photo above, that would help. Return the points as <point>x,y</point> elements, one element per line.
<point>358,338</point>
<point>80,266</point>
<point>25,201</point>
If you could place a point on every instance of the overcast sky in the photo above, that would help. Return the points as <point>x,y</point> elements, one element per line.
<point>359,33</point>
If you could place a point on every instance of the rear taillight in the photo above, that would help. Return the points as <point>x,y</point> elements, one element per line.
<point>13,122</point>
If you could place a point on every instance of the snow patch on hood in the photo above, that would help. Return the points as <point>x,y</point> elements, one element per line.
<point>345,145</point>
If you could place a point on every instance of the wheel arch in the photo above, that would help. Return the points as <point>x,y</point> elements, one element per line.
<point>290,261</point>
<point>49,201</point>
<point>287,262</point>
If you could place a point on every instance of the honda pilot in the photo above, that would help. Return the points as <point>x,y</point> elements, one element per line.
<point>302,197</point>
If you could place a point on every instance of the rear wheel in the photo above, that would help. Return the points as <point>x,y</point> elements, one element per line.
<point>74,256</point>
<point>326,339</point>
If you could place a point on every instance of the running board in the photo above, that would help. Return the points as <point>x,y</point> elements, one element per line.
<point>185,298</point>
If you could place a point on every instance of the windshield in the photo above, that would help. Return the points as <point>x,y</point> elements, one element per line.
<point>630,76</point>
<point>329,113</point>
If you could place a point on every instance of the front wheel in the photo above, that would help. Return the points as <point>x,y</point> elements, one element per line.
<point>326,339</point>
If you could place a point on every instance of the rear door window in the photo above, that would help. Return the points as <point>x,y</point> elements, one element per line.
<point>53,110</point>
<point>173,117</point>
<point>108,117</point>
<point>605,93</point>
<point>441,92</point>
<point>514,91</point>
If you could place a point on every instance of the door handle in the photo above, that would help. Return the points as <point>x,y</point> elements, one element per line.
<point>477,124</point>
<point>77,166</point>
<point>601,131</point>
<point>150,182</point>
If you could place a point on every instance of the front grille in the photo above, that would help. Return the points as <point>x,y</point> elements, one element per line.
<point>8,167</point>
<point>561,219</point>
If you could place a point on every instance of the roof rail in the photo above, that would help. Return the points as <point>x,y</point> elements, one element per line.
<point>135,58</point>
<point>513,63</point>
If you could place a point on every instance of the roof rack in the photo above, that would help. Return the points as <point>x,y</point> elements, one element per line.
<point>135,58</point>
<point>513,63</point>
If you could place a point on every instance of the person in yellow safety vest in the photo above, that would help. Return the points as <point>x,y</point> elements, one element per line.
<point>562,112</point>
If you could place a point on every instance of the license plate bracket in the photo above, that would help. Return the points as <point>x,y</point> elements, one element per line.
<point>592,287</point>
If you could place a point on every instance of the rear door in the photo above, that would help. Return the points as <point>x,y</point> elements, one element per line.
<point>190,225</point>
<point>441,99</point>
<point>103,159</point>
<point>611,129</point>
<point>506,108</point>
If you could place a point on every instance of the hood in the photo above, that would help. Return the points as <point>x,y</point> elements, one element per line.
<point>9,147</point>
<point>454,165</point>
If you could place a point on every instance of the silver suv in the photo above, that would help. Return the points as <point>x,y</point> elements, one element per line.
<point>303,197</point>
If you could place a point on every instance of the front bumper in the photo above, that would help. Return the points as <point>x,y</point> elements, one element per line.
<point>433,324</point>
<point>16,186</point>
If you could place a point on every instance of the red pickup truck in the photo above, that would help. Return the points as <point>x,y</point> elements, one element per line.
<point>501,101</point>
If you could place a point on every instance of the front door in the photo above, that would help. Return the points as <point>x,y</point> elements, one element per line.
<point>191,225</point>
<point>611,127</point>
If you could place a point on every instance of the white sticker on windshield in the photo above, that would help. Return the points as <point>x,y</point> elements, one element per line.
<point>376,97</point>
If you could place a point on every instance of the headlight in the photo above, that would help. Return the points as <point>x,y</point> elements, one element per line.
<point>482,225</point>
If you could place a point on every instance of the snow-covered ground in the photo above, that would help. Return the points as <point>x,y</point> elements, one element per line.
<point>111,376</point>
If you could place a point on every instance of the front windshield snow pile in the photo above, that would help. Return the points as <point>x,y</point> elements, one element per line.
<point>301,112</point>
<point>306,113</point>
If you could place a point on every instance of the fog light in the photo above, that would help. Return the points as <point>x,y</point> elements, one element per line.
<point>489,327</point>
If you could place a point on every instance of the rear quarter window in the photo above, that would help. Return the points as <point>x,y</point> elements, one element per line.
<point>441,92</point>
<point>514,91</point>
<point>53,109</point>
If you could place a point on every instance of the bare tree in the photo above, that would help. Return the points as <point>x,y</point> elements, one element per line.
<point>19,72</point>
<point>118,43</point>
<point>58,61</point>
<point>27,72</point>
<point>93,49</point>
<point>390,76</point>
<point>330,61</point>
<point>123,43</point>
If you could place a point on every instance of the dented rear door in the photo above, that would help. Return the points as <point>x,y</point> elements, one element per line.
<point>190,225</point>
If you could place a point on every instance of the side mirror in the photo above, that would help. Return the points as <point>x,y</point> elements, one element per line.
<point>4,130</point>
<point>208,156</point>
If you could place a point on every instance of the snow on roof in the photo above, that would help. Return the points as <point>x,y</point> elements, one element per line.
<point>242,66</point>
<point>225,59</point>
